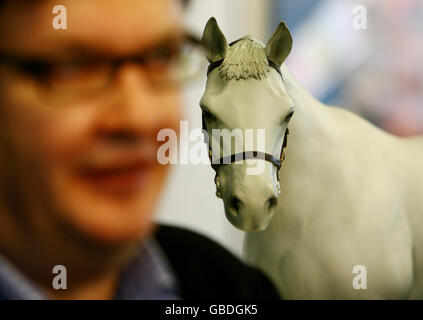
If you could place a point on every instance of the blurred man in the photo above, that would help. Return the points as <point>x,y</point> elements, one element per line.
<point>79,114</point>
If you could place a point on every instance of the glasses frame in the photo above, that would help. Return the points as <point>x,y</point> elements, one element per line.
<point>35,67</point>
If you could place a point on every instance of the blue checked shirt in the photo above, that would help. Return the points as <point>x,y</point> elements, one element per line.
<point>148,276</point>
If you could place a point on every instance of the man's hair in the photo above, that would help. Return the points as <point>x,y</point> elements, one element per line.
<point>2,2</point>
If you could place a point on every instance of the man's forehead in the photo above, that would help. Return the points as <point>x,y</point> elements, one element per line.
<point>109,26</point>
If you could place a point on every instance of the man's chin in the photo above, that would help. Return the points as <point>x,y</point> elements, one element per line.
<point>112,226</point>
<point>105,216</point>
<point>108,220</point>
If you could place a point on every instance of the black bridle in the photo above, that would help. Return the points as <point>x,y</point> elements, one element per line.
<point>277,162</point>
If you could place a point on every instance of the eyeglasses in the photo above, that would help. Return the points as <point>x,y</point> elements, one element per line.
<point>168,65</point>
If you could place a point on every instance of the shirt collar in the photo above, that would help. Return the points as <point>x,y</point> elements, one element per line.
<point>14,285</point>
<point>147,276</point>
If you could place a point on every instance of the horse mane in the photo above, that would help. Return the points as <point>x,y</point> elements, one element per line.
<point>245,59</point>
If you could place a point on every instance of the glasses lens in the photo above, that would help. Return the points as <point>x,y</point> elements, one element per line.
<point>192,62</point>
<point>185,64</point>
<point>78,76</point>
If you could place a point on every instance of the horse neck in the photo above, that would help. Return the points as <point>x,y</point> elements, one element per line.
<point>310,118</point>
<point>304,102</point>
<point>312,131</point>
<point>308,138</point>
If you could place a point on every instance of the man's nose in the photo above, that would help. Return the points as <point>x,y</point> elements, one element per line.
<point>134,106</point>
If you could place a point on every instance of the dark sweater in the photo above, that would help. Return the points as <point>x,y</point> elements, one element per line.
<point>205,270</point>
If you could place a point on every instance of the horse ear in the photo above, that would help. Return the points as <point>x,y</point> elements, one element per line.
<point>214,41</point>
<point>279,45</point>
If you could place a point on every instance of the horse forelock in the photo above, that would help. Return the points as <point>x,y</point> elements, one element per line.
<point>245,59</point>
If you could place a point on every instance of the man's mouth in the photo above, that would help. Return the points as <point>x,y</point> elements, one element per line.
<point>119,178</point>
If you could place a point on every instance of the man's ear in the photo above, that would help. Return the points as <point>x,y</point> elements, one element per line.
<point>214,41</point>
<point>279,45</point>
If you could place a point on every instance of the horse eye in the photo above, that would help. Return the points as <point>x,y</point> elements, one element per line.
<point>289,116</point>
<point>207,114</point>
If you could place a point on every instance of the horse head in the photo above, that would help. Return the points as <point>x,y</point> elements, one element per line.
<point>245,93</point>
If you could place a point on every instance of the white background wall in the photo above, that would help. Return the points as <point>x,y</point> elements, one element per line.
<point>189,197</point>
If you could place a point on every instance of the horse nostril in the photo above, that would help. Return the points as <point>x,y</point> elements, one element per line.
<point>234,205</point>
<point>271,203</point>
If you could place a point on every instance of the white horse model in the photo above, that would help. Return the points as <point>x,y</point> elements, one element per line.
<point>351,193</point>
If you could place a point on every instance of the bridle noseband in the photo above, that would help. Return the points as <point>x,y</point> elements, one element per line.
<point>246,154</point>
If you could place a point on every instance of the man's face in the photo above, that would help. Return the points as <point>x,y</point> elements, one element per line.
<point>85,160</point>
